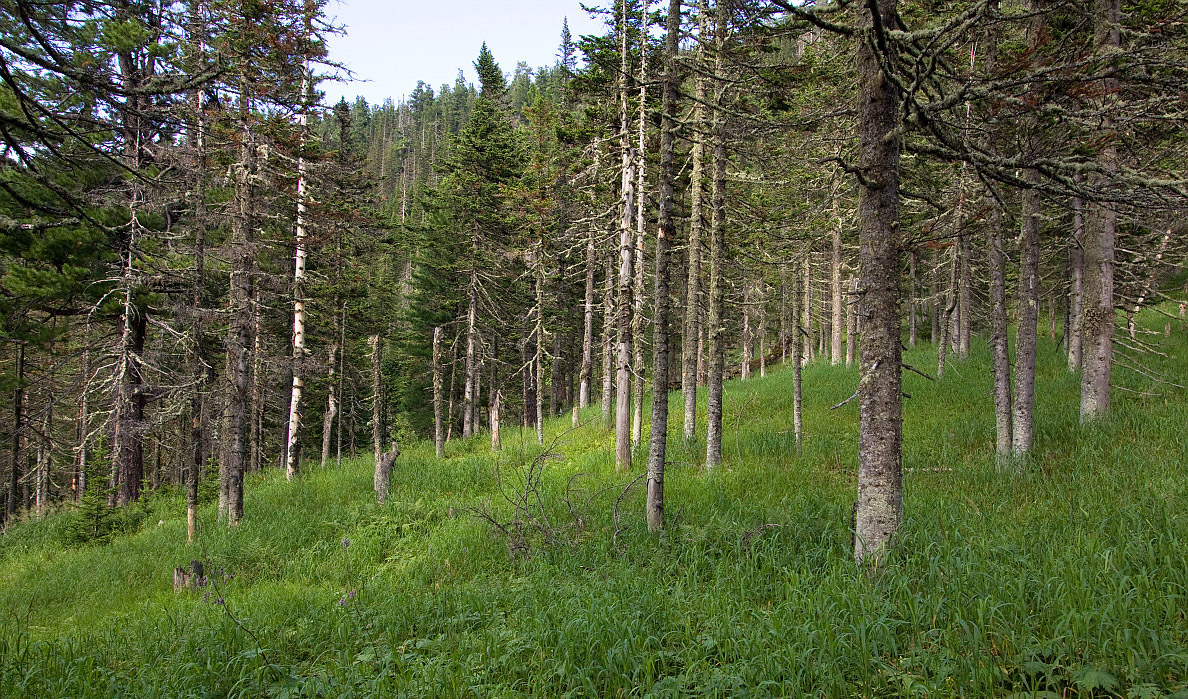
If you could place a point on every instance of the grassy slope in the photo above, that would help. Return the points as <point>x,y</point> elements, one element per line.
<point>1071,577</point>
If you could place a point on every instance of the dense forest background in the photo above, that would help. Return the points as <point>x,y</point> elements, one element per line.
<point>204,271</point>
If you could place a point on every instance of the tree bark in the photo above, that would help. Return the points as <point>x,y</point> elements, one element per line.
<point>852,322</point>
<point>538,349</point>
<point>880,495</point>
<point>468,391</point>
<point>331,401</point>
<point>999,331</point>
<point>665,232</point>
<point>807,307</point>
<point>495,393</point>
<point>239,328</point>
<point>1076,271</point>
<point>747,335</point>
<point>383,472</point>
<point>691,348</point>
<point>438,428</point>
<point>912,334</point>
<point>18,429</point>
<point>717,290</point>
<point>796,338</point>
<point>835,284</point>
<point>964,306</point>
<point>762,320</point>
<point>637,318</point>
<point>587,372</point>
<point>1097,325</point>
<point>377,396</point>
<point>1027,330</point>
<point>624,302</point>
<point>292,452</point>
<point>608,325</point>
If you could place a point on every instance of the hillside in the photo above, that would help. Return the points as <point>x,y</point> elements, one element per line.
<point>1067,579</point>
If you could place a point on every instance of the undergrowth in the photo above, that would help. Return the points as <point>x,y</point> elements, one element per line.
<point>1067,578</point>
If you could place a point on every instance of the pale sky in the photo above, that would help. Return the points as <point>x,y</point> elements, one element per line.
<point>391,44</point>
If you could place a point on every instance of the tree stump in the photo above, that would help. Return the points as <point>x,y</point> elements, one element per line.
<point>383,472</point>
<point>191,579</point>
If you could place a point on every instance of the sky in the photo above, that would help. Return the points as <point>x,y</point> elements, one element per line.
<point>391,44</point>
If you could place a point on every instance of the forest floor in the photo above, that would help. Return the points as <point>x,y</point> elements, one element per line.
<point>1066,578</point>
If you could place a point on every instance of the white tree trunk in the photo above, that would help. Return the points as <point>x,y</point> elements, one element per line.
<point>292,448</point>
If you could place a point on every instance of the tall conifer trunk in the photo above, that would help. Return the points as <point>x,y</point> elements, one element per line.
<point>717,289</point>
<point>468,391</point>
<point>438,427</point>
<point>1097,325</point>
<point>239,329</point>
<point>691,348</point>
<point>377,395</point>
<point>608,328</point>
<point>1076,292</point>
<point>293,438</point>
<point>637,331</point>
<point>17,438</point>
<point>665,232</point>
<point>880,495</point>
<point>624,301</point>
<point>835,284</point>
<point>1027,332</point>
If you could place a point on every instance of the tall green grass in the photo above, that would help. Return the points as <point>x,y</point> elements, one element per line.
<point>1067,579</point>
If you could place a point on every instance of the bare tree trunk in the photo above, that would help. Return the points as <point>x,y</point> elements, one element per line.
<point>608,325</point>
<point>852,322</point>
<point>239,329</point>
<point>1028,328</point>
<point>587,371</point>
<point>1097,325</point>
<point>496,443</point>
<point>84,418</point>
<point>451,393</point>
<point>935,301</point>
<point>1076,263</point>
<point>835,285</point>
<point>624,300</point>
<point>293,440</point>
<point>557,373</point>
<point>198,366</point>
<point>964,306</point>
<point>255,460</point>
<point>383,473</point>
<point>331,401</point>
<point>468,391</point>
<point>1148,285</point>
<point>807,299</point>
<point>377,397</point>
<point>948,320</point>
<point>495,393</point>
<point>784,336</point>
<point>438,428</point>
<point>762,313</point>
<point>128,423</point>
<point>796,339</point>
<point>999,329</point>
<point>691,348</point>
<point>637,330</point>
<point>912,335</point>
<point>665,232</point>
<point>18,429</point>
<point>745,366</point>
<point>879,510</point>
<point>717,289</point>
<point>538,356</point>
